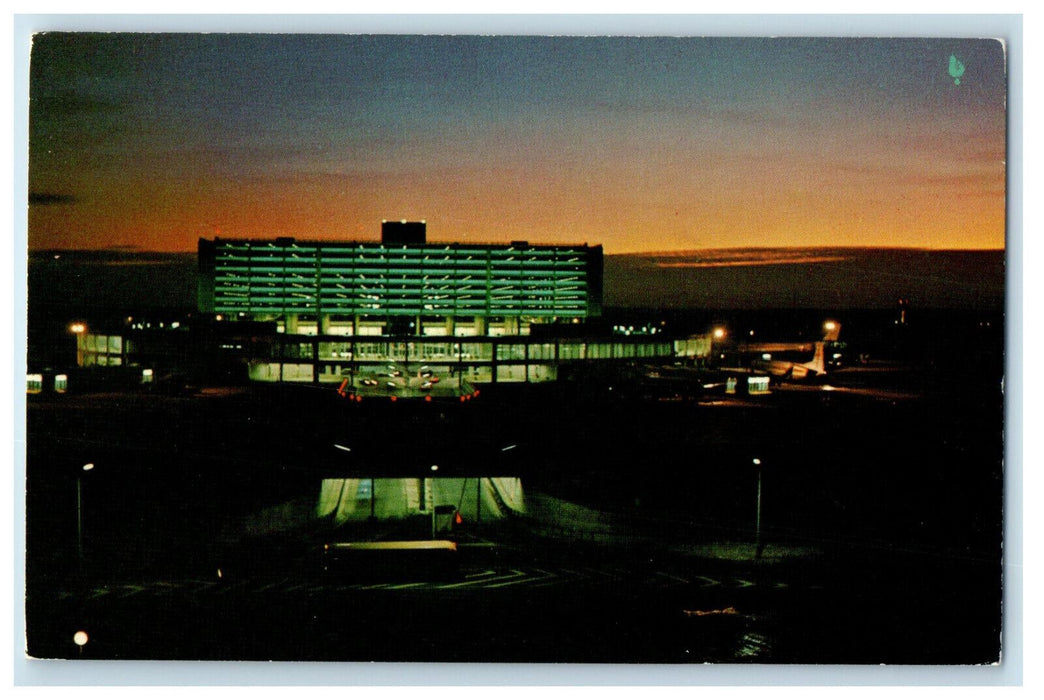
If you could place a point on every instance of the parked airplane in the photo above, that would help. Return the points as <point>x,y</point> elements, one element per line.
<point>794,369</point>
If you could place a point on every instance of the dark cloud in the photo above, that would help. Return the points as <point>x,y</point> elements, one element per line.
<point>45,198</point>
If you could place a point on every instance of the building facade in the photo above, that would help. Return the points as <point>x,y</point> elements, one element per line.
<point>400,286</point>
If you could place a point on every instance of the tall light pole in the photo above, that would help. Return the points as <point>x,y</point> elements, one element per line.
<point>79,513</point>
<point>79,329</point>
<point>758,545</point>
<point>717,337</point>
<point>431,492</point>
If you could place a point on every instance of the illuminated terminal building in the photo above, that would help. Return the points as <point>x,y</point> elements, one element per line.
<point>400,286</point>
<point>402,317</point>
<point>511,312</point>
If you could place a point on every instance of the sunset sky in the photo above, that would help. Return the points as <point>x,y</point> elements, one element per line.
<point>639,144</point>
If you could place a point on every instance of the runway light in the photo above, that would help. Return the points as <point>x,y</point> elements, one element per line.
<point>80,638</point>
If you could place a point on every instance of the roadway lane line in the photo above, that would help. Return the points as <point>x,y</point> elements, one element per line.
<point>487,572</point>
<point>575,573</point>
<point>131,589</point>
<point>672,577</point>
<point>526,581</point>
<point>515,573</point>
<point>281,582</point>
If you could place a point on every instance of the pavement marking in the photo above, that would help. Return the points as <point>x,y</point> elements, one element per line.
<point>487,572</point>
<point>280,582</point>
<point>672,577</point>
<point>526,581</point>
<point>515,573</point>
<point>224,590</point>
<point>131,589</point>
<point>476,580</point>
<point>574,573</point>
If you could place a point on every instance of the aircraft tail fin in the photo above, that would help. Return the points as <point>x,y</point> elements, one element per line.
<point>818,363</point>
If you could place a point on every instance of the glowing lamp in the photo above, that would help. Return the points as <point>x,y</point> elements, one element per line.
<point>80,638</point>
<point>78,328</point>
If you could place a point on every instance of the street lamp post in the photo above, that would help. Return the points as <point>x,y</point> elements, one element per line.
<point>758,545</point>
<point>717,338</point>
<point>79,329</point>
<point>79,513</point>
<point>431,492</point>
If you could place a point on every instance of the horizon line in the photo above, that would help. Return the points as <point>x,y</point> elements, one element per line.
<point>127,250</point>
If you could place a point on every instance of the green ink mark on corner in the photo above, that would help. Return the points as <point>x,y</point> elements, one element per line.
<point>956,69</point>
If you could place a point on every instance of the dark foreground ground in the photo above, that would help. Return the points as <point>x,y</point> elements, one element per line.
<point>881,515</point>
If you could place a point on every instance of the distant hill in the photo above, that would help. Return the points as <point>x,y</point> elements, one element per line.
<point>86,282</point>
<point>82,282</point>
<point>818,278</point>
